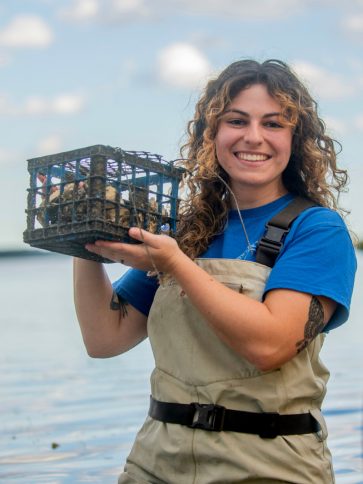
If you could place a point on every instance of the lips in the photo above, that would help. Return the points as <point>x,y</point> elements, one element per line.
<point>241,155</point>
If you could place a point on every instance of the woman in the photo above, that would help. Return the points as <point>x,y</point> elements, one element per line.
<point>238,384</point>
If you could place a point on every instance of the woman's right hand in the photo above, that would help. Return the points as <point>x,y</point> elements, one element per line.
<point>155,252</point>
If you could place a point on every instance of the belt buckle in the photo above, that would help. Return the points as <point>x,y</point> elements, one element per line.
<point>207,416</point>
<point>270,428</point>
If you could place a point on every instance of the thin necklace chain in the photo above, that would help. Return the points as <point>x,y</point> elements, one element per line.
<point>249,246</point>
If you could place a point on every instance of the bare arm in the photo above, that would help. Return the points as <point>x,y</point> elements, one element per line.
<point>267,333</point>
<point>108,329</point>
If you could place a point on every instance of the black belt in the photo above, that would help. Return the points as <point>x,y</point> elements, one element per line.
<point>267,425</point>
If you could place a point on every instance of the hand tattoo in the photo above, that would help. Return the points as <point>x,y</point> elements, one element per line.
<point>314,324</point>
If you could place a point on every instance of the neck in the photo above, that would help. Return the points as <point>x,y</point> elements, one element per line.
<point>250,197</point>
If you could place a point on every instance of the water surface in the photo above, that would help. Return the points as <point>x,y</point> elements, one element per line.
<point>67,418</point>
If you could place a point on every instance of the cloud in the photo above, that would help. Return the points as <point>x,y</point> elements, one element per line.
<point>62,104</point>
<point>50,144</point>
<point>263,9</point>
<point>182,65</point>
<point>353,24</point>
<point>81,10</point>
<point>107,10</point>
<point>339,128</point>
<point>67,104</point>
<point>127,8</point>
<point>325,84</point>
<point>26,31</point>
<point>139,10</point>
<point>335,126</point>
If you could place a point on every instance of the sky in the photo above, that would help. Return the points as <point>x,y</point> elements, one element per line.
<point>127,73</point>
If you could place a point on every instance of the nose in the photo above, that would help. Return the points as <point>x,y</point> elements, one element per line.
<point>253,134</point>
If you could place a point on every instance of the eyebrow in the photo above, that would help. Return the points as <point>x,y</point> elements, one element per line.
<point>243,113</point>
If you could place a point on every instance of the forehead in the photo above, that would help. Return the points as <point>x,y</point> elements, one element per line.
<point>255,99</point>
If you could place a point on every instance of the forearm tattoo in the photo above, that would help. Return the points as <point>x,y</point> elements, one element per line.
<point>314,324</point>
<point>118,303</point>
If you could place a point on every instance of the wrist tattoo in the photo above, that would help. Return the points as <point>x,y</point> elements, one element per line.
<point>314,324</point>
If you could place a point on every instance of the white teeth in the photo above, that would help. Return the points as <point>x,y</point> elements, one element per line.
<point>251,157</point>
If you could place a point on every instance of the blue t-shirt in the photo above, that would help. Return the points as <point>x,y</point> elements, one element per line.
<point>318,257</point>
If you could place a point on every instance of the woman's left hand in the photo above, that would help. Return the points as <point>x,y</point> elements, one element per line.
<point>156,252</point>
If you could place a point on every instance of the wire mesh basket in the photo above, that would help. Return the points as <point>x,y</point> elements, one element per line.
<point>99,192</point>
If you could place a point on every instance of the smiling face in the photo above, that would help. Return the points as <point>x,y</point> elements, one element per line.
<point>253,146</point>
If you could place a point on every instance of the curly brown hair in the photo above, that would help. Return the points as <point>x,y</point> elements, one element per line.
<point>312,170</point>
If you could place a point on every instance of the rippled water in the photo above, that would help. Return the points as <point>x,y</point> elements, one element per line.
<point>67,418</point>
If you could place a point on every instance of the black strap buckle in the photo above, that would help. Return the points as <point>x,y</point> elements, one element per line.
<point>207,417</point>
<point>275,235</point>
<point>270,244</point>
<point>269,425</point>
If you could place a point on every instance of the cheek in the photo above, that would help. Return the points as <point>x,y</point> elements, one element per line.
<point>223,141</point>
<point>284,147</point>
<point>288,144</point>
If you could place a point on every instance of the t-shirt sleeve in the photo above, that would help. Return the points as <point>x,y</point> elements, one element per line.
<point>137,289</point>
<point>318,258</point>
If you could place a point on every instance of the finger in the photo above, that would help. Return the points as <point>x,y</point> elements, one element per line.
<point>110,249</point>
<point>92,248</point>
<point>108,244</point>
<point>144,236</point>
<point>107,254</point>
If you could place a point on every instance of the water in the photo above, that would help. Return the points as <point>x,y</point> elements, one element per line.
<point>66,418</point>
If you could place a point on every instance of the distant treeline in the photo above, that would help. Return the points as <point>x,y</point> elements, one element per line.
<point>22,253</point>
<point>35,252</point>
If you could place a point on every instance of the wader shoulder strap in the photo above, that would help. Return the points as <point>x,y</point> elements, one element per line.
<point>272,241</point>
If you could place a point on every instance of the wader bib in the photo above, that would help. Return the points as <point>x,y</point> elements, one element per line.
<point>194,365</point>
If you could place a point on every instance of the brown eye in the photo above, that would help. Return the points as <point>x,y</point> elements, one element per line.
<point>236,122</point>
<point>273,124</point>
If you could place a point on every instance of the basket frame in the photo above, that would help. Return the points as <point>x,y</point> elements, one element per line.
<point>143,171</point>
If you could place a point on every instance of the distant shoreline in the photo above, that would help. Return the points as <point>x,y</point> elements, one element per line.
<point>22,253</point>
<point>14,253</point>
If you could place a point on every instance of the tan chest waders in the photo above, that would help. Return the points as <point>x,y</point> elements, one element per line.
<point>214,418</point>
